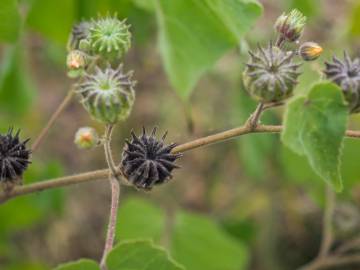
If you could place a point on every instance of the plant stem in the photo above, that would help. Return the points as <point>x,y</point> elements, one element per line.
<point>327,222</point>
<point>255,117</point>
<point>332,261</point>
<point>115,195</point>
<point>104,173</point>
<point>111,229</point>
<point>50,123</point>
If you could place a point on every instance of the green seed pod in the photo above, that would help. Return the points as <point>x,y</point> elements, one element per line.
<point>346,74</point>
<point>291,26</point>
<point>86,138</point>
<point>108,95</point>
<point>76,63</point>
<point>109,37</point>
<point>310,51</point>
<point>270,75</point>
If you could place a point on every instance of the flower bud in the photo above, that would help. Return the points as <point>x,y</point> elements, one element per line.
<point>270,75</point>
<point>86,138</point>
<point>310,51</point>
<point>76,63</point>
<point>109,37</point>
<point>290,26</point>
<point>108,95</point>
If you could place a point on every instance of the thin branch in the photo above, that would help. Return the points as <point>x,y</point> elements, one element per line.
<point>103,174</point>
<point>254,118</point>
<point>50,123</point>
<point>348,246</point>
<point>331,262</point>
<point>115,195</point>
<point>110,235</point>
<point>327,230</point>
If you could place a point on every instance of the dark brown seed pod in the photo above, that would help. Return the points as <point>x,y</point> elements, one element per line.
<point>14,157</point>
<point>346,74</point>
<point>147,161</point>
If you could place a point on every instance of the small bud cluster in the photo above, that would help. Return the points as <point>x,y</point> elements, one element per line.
<point>86,138</point>
<point>271,73</point>
<point>95,49</point>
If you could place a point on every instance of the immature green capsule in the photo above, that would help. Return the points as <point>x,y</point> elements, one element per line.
<point>108,95</point>
<point>291,26</point>
<point>86,138</point>
<point>270,75</point>
<point>310,51</point>
<point>109,37</point>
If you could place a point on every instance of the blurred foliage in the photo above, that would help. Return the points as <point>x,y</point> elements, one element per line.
<point>245,216</point>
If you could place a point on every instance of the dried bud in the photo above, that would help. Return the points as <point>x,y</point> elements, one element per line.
<point>76,63</point>
<point>147,161</point>
<point>86,138</point>
<point>270,75</point>
<point>310,51</point>
<point>108,95</point>
<point>291,26</point>
<point>109,37</point>
<point>346,74</point>
<point>14,157</point>
<point>79,33</point>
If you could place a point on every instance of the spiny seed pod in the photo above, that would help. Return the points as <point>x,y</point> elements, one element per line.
<point>79,33</point>
<point>270,75</point>
<point>310,51</point>
<point>86,138</point>
<point>109,37</point>
<point>108,95</point>
<point>76,63</point>
<point>291,26</point>
<point>346,74</point>
<point>147,161</point>
<point>14,157</point>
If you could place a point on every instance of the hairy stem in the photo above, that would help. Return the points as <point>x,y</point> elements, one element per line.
<point>327,230</point>
<point>103,174</point>
<point>50,123</point>
<point>254,118</point>
<point>115,195</point>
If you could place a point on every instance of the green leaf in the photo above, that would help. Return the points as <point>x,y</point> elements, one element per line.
<point>83,264</point>
<point>315,126</point>
<point>10,20</point>
<point>194,34</point>
<point>198,243</point>
<point>140,219</point>
<point>53,19</point>
<point>140,255</point>
<point>16,89</point>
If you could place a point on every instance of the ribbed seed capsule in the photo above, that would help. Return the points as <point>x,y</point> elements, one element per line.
<point>14,157</point>
<point>270,75</point>
<point>108,95</point>
<point>109,37</point>
<point>147,161</point>
<point>346,74</point>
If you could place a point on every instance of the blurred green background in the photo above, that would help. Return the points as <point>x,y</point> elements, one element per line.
<point>249,203</point>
